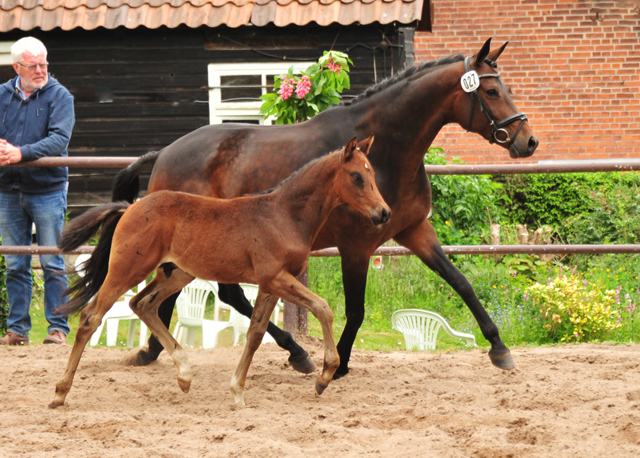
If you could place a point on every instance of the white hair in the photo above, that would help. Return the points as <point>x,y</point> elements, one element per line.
<point>29,44</point>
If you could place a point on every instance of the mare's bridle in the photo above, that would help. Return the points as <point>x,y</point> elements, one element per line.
<point>498,131</point>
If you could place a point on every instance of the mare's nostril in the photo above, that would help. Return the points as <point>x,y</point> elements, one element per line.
<point>533,144</point>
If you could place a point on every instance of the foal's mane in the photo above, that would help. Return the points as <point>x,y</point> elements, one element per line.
<point>297,172</point>
<point>409,72</point>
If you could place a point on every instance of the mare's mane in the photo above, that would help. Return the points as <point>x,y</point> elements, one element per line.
<point>409,72</point>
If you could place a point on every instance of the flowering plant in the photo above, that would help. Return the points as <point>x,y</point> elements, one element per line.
<point>297,98</point>
<point>573,310</point>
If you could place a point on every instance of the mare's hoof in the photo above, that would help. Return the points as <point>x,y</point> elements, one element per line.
<point>184,384</point>
<point>502,360</point>
<point>340,372</point>
<point>54,404</point>
<point>320,387</point>
<point>304,364</point>
<point>143,358</point>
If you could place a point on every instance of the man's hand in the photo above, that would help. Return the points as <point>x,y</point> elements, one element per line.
<point>9,154</point>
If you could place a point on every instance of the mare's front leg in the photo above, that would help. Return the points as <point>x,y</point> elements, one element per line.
<point>422,240</point>
<point>299,359</point>
<point>265,304</point>
<point>354,278</point>
<point>90,319</point>
<point>146,303</point>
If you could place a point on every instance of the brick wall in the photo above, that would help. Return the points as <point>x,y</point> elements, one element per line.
<point>573,67</point>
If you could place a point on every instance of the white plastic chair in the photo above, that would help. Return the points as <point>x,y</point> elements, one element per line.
<point>420,328</point>
<point>119,311</point>
<point>239,322</point>
<point>191,305</point>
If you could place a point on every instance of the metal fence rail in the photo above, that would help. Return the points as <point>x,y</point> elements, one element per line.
<point>498,169</point>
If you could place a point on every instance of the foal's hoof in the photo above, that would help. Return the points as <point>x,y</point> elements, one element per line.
<point>304,364</point>
<point>340,372</point>
<point>54,404</point>
<point>502,360</point>
<point>320,387</point>
<point>184,384</point>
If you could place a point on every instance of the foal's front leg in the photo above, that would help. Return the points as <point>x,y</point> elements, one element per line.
<point>265,304</point>
<point>288,288</point>
<point>145,304</point>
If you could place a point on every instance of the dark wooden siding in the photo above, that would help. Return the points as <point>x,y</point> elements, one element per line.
<point>139,90</point>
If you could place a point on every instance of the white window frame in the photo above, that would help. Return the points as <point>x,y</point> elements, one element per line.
<point>242,111</point>
<point>5,52</point>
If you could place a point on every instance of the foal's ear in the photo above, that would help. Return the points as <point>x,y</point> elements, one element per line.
<point>365,145</point>
<point>482,55</point>
<point>493,55</point>
<point>349,149</point>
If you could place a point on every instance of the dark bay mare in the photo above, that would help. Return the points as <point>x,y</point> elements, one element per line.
<point>263,239</point>
<point>405,112</point>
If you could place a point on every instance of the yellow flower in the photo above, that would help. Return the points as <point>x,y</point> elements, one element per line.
<point>447,223</point>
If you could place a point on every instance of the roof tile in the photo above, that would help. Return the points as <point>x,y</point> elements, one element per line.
<point>90,14</point>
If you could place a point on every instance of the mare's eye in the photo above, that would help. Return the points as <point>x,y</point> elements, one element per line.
<point>357,179</point>
<point>492,93</point>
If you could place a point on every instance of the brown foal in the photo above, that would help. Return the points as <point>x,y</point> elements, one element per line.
<point>263,239</point>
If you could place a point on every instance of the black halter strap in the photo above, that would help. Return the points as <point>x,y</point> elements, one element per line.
<point>498,131</point>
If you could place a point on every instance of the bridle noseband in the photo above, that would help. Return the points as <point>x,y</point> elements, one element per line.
<point>498,131</point>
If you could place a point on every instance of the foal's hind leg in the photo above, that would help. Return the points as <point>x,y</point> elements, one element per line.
<point>90,319</point>
<point>422,240</point>
<point>265,304</point>
<point>299,358</point>
<point>145,305</point>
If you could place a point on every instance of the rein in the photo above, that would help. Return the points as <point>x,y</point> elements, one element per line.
<point>498,133</point>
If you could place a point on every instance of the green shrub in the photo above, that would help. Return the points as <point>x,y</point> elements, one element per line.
<point>463,205</point>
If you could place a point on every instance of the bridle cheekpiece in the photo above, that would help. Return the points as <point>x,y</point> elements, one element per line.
<point>470,82</point>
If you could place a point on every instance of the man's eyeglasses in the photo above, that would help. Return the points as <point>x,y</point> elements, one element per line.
<point>32,67</point>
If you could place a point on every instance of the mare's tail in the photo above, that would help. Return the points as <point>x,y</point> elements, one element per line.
<point>127,183</point>
<point>95,269</point>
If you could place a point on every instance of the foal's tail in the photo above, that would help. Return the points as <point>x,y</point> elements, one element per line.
<point>95,269</point>
<point>127,183</point>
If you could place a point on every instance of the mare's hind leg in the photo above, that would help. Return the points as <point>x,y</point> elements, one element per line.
<point>422,240</point>
<point>90,319</point>
<point>259,321</point>
<point>299,358</point>
<point>145,304</point>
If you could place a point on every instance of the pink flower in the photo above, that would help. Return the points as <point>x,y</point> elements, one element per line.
<point>286,88</point>
<point>331,65</point>
<point>303,86</point>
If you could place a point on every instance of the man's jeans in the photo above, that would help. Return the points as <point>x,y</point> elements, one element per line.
<point>18,211</point>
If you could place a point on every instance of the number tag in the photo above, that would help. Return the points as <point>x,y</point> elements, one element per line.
<point>470,81</point>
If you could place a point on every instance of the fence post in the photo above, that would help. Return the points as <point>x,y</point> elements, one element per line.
<point>296,319</point>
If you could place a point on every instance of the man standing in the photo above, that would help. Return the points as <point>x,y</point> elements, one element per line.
<point>36,119</point>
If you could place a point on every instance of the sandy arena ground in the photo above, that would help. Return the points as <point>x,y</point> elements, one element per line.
<point>571,401</point>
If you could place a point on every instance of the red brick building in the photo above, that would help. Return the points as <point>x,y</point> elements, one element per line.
<point>573,67</point>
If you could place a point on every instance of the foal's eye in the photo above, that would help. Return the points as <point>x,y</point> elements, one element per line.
<point>492,93</point>
<point>357,179</point>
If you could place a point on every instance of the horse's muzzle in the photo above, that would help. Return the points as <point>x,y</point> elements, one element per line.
<point>517,150</point>
<point>380,216</point>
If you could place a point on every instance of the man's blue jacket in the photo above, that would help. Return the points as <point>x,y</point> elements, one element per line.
<point>40,126</point>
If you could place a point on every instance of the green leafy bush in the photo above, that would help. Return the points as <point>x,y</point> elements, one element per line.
<point>463,205</point>
<point>300,97</point>
<point>572,309</point>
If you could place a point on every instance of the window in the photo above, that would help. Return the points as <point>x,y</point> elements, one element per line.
<point>235,89</point>
<point>6,69</point>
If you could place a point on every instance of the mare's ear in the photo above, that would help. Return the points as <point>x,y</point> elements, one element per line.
<point>482,55</point>
<point>365,145</point>
<point>349,149</point>
<point>493,55</point>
